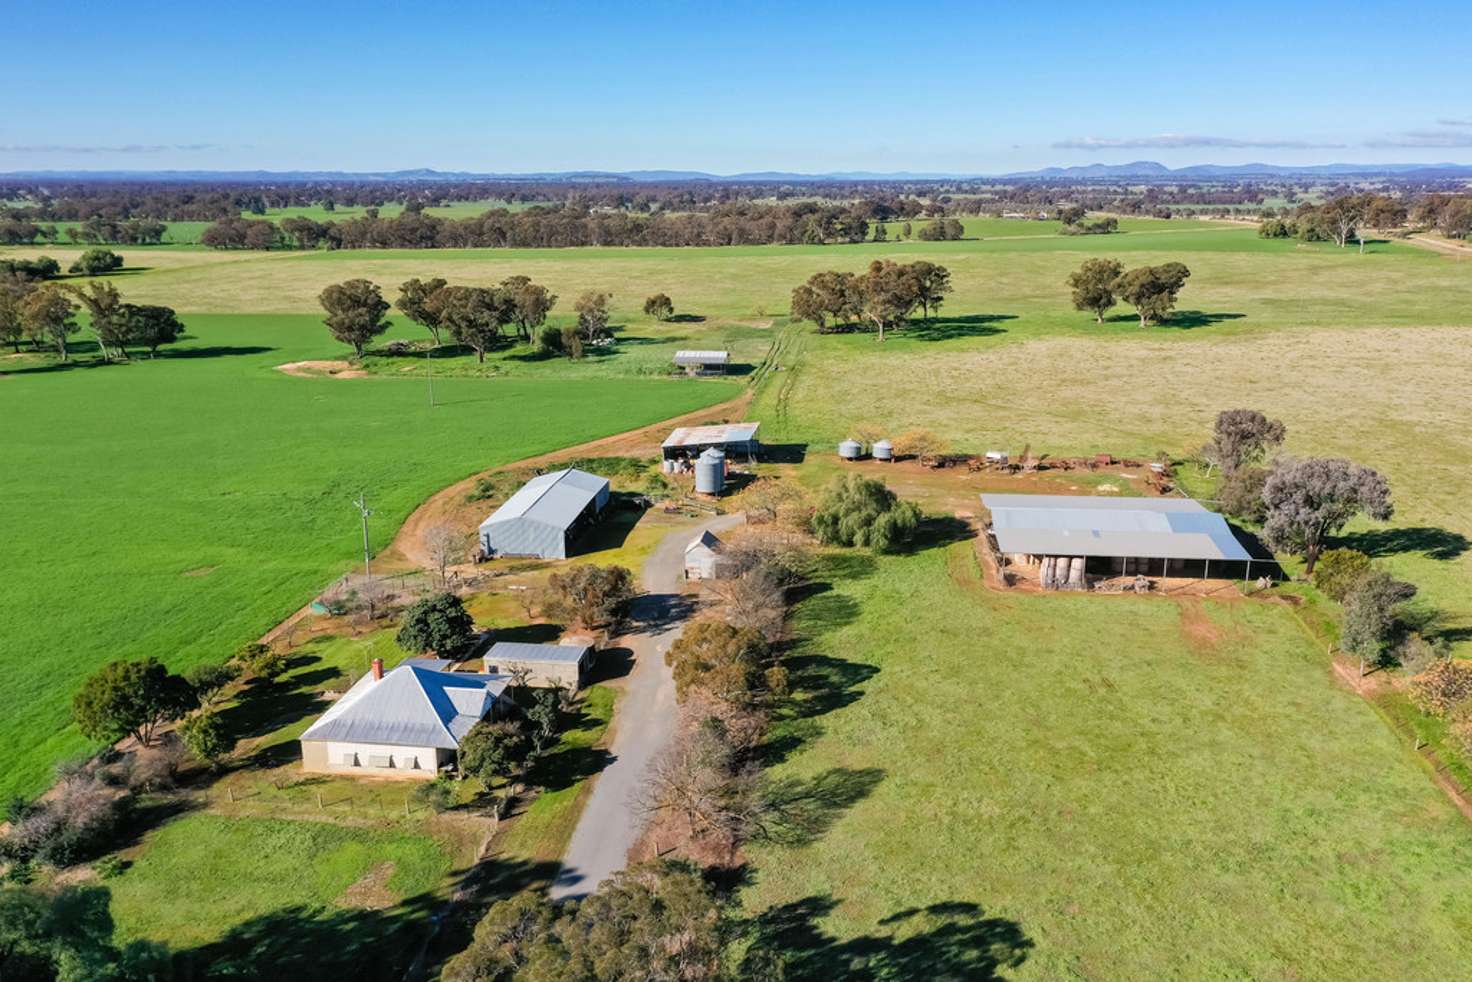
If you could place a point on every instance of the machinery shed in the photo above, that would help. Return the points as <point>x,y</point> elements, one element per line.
<point>544,517</point>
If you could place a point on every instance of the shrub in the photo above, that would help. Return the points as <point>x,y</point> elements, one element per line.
<point>261,660</point>
<point>437,795</point>
<point>1461,728</point>
<point>1371,614</point>
<point>549,341</point>
<point>589,596</point>
<point>439,623</point>
<point>76,822</point>
<point>1442,687</point>
<point>1241,494</point>
<point>1339,571</point>
<point>109,867</point>
<point>860,512</point>
<point>209,680</point>
<point>205,736</point>
<point>1416,654</point>
<point>721,660</point>
<point>95,262</point>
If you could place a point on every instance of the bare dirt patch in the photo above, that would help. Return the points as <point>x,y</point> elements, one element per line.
<point>371,892</point>
<point>199,571</point>
<point>1201,633</point>
<point>321,369</point>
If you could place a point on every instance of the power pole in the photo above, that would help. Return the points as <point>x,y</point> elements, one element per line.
<point>363,509</point>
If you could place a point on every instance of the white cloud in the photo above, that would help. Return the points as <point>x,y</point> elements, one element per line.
<point>1173,141</point>
<point>1454,122</point>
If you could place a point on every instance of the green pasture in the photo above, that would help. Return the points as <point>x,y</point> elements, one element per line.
<point>265,895</point>
<point>1094,787</point>
<point>184,505</point>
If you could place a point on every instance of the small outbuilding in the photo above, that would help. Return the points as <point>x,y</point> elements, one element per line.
<point>407,723</point>
<point>705,558</point>
<point>703,362</point>
<point>566,665</point>
<point>738,441</point>
<point>543,518</point>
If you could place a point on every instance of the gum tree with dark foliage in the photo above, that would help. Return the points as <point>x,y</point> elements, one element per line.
<point>355,310</point>
<point>1152,290</point>
<point>1093,286</point>
<point>413,302</point>
<point>131,698</point>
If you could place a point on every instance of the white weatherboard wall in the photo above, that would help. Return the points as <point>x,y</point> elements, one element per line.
<point>336,752</point>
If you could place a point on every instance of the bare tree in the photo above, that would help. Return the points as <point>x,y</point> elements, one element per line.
<point>446,546</point>
<point>753,599</point>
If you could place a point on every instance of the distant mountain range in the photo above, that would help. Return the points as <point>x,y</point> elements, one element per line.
<point>1144,170</point>
<point>1150,168</point>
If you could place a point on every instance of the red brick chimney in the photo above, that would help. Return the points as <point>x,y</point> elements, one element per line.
<point>377,669</point>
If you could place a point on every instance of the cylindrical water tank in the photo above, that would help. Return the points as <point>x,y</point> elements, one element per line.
<point>850,450</point>
<point>710,472</point>
<point>884,450</point>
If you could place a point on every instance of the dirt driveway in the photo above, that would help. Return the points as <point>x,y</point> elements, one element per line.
<point>643,722</point>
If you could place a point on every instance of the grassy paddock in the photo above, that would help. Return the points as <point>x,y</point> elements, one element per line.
<point>1121,787</point>
<point>221,890</point>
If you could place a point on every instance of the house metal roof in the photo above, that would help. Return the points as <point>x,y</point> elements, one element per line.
<point>694,436</point>
<point>555,499</point>
<point>1079,525</point>
<point>504,652</point>
<point>702,357</point>
<point>418,704</point>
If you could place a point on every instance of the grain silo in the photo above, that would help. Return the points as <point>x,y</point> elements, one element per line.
<point>850,450</point>
<point>884,450</point>
<point>710,472</point>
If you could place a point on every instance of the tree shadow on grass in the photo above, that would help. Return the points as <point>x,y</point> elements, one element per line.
<point>264,705</point>
<point>937,531</point>
<point>1186,320</point>
<point>944,328</point>
<point>940,942</point>
<point>804,809</point>
<point>685,319</point>
<point>820,684</point>
<point>1434,543</point>
<point>368,945</point>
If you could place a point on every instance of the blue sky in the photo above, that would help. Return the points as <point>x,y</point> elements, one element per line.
<point>963,87</point>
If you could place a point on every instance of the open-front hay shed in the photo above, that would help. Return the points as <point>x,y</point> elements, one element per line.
<point>1066,541</point>
<point>738,441</point>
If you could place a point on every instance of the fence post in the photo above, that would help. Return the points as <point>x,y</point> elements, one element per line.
<point>319,800</point>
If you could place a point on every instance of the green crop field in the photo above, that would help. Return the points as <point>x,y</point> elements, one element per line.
<point>187,504</point>
<point>1108,787</point>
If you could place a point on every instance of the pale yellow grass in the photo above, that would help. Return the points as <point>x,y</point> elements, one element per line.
<point>1396,399</point>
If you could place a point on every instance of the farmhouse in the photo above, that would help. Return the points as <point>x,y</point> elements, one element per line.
<point>705,558</point>
<point>546,664</point>
<point>703,362</point>
<point>545,515</point>
<point>407,723</point>
<point>1066,539</point>
<point>735,440</point>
